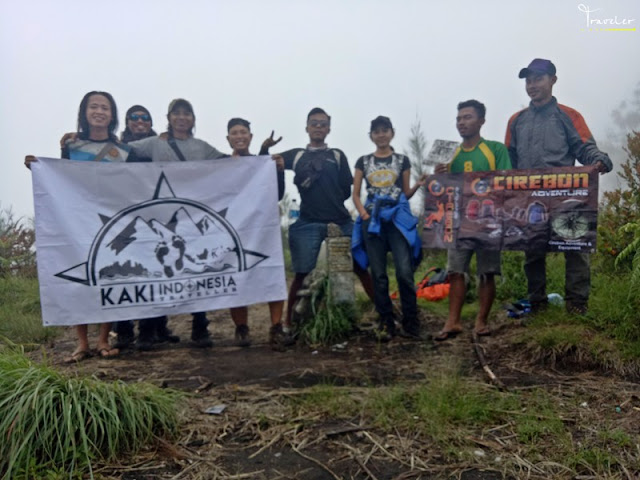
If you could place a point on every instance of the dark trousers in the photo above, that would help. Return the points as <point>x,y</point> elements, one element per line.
<point>199,322</point>
<point>391,239</point>
<point>124,328</point>
<point>147,326</point>
<point>577,277</point>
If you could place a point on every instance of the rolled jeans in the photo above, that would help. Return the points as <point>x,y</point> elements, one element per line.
<point>577,279</point>
<point>391,239</point>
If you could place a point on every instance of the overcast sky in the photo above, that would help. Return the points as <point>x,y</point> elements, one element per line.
<point>271,61</point>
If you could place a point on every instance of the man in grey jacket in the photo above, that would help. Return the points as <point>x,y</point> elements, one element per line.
<point>543,135</point>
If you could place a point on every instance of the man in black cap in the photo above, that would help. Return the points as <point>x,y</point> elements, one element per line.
<point>545,135</point>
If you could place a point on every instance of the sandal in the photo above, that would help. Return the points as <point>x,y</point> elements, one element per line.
<point>108,352</point>
<point>483,332</point>
<point>446,335</point>
<point>78,356</point>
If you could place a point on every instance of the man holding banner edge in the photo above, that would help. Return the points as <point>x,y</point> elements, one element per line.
<point>543,135</point>
<point>475,154</point>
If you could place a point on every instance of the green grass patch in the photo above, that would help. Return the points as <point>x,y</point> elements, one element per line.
<point>449,411</point>
<point>51,423</point>
<point>556,338</point>
<point>20,319</point>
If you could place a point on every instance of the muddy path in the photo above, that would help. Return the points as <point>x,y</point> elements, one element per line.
<point>249,440</point>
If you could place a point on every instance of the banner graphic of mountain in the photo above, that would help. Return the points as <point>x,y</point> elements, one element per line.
<point>182,246</point>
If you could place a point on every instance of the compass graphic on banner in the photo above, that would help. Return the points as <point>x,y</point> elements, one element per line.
<point>164,238</point>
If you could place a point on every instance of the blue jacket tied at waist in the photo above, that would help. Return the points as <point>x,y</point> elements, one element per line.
<point>385,209</point>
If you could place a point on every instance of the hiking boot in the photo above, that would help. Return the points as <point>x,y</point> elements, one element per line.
<point>576,308</point>
<point>123,341</point>
<point>386,329</point>
<point>144,343</point>
<point>164,335</point>
<point>539,306</point>
<point>201,338</point>
<point>279,339</point>
<point>411,330</point>
<point>242,336</point>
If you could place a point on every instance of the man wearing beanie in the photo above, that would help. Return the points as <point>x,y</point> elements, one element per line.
<point>545,135</point>
<point>138,123</point>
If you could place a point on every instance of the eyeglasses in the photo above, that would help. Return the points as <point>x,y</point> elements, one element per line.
<point>144,117</point>
<point>318,123</point>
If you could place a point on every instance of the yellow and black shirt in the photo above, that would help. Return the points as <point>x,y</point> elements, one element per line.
<point>486,155</point>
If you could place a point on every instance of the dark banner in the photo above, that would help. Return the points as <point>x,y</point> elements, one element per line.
<point>552,209</point>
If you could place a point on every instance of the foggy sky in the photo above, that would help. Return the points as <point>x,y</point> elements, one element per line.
<point>272,61</point>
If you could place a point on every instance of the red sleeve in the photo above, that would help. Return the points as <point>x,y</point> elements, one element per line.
<point>578,122</point>
<point>507,137</point>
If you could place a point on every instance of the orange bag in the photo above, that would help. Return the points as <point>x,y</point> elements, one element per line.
<point>433,293</point>
<point>434,285</point>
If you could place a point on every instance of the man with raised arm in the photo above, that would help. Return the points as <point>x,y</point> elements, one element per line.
<point>324,180</point>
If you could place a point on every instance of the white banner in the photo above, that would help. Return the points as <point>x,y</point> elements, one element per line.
<point>120,241</point>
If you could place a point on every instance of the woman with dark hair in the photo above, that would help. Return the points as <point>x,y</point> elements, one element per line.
<point>386,224</point>
<point>239,137</point>
<point>95,141</point>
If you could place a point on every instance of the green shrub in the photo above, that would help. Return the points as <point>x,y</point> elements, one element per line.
<point>17,254</point>
<point>620,207</point>
<point>52,422</point>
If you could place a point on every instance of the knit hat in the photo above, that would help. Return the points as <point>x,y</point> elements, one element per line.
<point>138,108</point>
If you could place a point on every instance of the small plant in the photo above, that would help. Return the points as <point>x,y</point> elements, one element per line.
<point>330,322</point>
<point>53,423</point>
<point>632,252</point>
<point>17,254</point>
<point>620,207</point>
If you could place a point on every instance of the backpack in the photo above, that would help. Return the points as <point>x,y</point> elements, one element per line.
<point>311,171</point>
<point>434,285</point>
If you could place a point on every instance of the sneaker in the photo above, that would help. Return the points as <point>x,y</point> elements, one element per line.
<point>201,338</point>
<point>164,335</point>
<point>144,343</point>
<point>242,336</point>
<point>386,329</point>
<point>278,339</point>
<point>576,308</point>
<point>123,341</point>
<point>539,306</point>
<point>411,330</point>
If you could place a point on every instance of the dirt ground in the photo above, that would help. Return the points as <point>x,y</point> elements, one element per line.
<point>250,382</point>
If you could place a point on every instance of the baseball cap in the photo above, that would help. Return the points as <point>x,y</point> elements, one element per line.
<point>380,122</point>
<point>238,121</point>
<point>179,102</point>
<point>538,65</point>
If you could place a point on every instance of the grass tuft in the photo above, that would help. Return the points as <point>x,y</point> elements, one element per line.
<point>50,422</point>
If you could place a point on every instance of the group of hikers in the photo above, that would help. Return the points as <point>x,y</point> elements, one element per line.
<point>544,135</point>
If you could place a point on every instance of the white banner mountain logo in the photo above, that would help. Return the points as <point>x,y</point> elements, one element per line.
<point>164,240</point>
